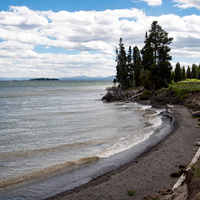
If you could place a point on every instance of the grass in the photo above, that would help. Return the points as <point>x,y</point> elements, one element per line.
<point>183,88</point>
<point>196,169</point>
<point>176,93</point>
<point>191,80</point>
<point>131,192</point>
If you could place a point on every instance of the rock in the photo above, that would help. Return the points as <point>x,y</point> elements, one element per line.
<point>196,114</point>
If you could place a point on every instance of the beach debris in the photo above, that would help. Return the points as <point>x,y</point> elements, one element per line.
<point>197,143</point>
<point>117,94</point>
<point>183,177</point>
<point>196,114</point>
<point>176,174</point>
<point>170,106</point>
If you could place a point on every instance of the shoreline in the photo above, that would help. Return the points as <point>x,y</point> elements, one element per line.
<point>150,172</point>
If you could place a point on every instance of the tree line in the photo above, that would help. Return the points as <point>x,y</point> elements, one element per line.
<point>149,67</point>
<point>180,73</point>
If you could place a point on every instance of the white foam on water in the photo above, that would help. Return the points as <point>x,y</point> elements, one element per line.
<point>123,144</point>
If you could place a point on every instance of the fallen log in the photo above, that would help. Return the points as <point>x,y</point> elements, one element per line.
<point>132,97</point>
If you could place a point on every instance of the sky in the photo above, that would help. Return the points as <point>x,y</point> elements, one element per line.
<point>65,38</point>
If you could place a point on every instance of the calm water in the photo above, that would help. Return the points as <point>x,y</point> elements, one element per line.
<point>56,135</point>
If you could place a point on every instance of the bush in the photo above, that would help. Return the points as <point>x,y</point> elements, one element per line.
<point>146,95</point>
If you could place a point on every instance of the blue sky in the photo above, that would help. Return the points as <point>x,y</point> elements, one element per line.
<point>63,38</point>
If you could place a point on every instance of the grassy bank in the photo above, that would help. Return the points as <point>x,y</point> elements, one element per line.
<point>188,85</point>
<point>185,92</point>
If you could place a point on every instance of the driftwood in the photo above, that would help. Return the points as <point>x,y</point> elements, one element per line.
<point>117,94</point>
<point>134,96</point>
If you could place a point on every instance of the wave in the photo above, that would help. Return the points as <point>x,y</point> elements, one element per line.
<point>122,145</point>
<point>41,151</point>
<point>125,143</point>
<point>69,165</point>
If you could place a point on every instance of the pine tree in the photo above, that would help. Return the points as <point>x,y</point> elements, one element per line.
<point>199,71</point>
<point>130,67</point>
<point>183,73</point>
<point>156,55</point>
<point>178,75</point>
<point>137,66</point>
<point>172,75</point>
<point>147,54</point>
<point>189,75</point>
<point>194,71</point>
<point>122,69</point>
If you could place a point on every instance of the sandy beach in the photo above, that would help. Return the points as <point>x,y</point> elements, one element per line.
<point>151,172</point>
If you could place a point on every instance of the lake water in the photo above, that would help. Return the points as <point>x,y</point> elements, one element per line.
<point>56,135</point>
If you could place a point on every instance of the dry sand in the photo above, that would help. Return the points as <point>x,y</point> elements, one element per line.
<point>151,172</point>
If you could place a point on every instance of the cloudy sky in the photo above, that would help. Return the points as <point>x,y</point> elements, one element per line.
<point>63,38</point>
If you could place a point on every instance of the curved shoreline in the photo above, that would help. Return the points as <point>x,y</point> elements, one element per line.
<point>151,171</point>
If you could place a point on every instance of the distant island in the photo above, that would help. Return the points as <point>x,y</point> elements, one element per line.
<point>44,79</point>
<point>74,78</point>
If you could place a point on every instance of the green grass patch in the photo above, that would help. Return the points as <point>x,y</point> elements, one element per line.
<point>185,86</point>
<point>131,192</point>
<point>191,80</point>
<point>196,169</point>
<point>183,89</point>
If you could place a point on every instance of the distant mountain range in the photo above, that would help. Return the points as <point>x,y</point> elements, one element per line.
<point>76,78</point>
<point>86,78</point>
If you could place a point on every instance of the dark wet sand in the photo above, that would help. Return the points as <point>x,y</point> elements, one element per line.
<point>151,172</point>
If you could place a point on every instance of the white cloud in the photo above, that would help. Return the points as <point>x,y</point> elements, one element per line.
<point>151,2</point>
<point>92,34</point>
<point>187,3</point>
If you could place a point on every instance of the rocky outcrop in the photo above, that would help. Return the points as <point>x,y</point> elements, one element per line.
<point>117,94</point>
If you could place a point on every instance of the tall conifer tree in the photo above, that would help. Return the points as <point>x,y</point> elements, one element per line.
<point>156,55</point>
<point>194,71</point>
<point>199,71</point>
<point>147,53</point>
<point>130,67</point>
<point>122,69</point>
<point>183,73</point>
<point>178,73</point>
<point>137,64</point>
<point>189,75</point>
